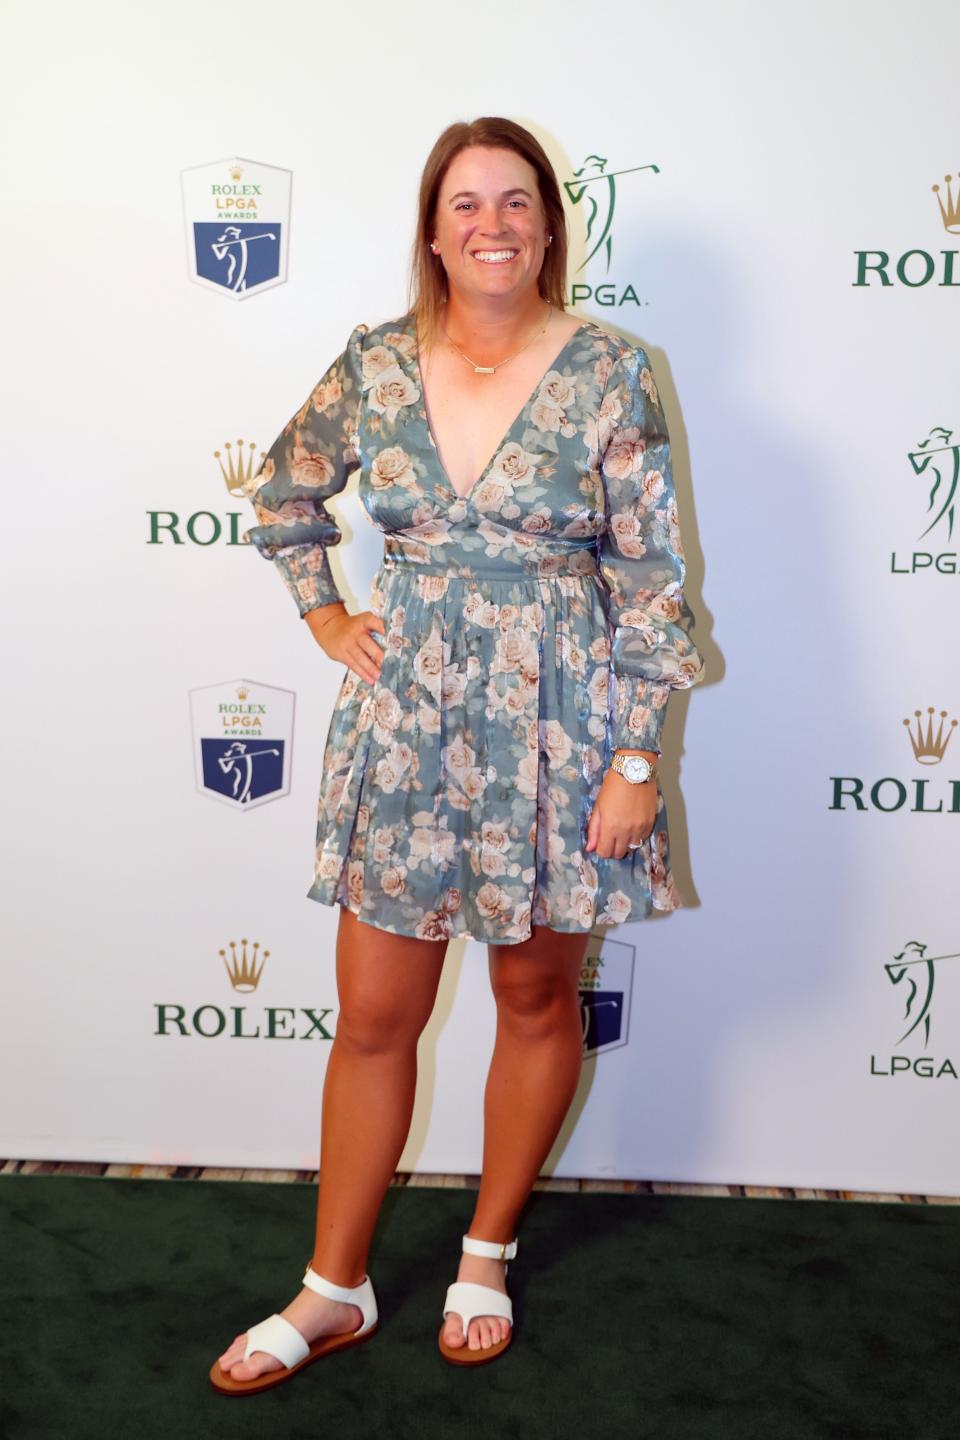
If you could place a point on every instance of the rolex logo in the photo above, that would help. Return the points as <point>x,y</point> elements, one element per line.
<point>929,746</point>
<point>242,692</point>
<point>235,172</point>
<point>238,470</point>
<point>949,212</point>
<point>242,970</point>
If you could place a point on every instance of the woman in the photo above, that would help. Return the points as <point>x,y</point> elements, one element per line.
<point>527,628</point>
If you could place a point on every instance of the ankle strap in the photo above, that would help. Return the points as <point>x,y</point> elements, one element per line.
<point>491,1249</point>
<point>345,1293</point>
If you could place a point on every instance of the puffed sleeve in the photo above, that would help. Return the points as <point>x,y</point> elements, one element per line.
<point>641,560</point>
<point>311,459</point>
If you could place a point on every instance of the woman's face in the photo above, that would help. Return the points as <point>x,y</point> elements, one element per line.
<point>490,224</point>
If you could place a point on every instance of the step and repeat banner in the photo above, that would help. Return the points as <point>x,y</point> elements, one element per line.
<point>200,212</point>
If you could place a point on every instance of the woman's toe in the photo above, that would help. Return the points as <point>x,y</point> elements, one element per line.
<point>232,1354</point>
<point>258,1364</point>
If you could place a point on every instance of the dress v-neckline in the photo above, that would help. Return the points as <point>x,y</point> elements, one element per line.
<point>505,437</point>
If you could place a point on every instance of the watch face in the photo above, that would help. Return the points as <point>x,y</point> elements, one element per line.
<point>636,768</point>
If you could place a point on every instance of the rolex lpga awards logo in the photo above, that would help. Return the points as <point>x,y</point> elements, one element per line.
<point>606,984</point>
<point>936,460</point>
<point>918,267</point>
<point>237,217</point>
<point>216,1020</point>
<point>929,733</point>
<point>912,972</point>
<point>242,741</point>
<point>594,188</point>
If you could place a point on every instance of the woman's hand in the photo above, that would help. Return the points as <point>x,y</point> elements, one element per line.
<point>622,815</point>
<point>349,638</point>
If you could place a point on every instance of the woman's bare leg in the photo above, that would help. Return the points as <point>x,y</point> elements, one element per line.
<point>387,985</point>
<point>532,1080</point>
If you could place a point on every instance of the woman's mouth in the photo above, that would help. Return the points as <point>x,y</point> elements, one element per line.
<point>495,257</point>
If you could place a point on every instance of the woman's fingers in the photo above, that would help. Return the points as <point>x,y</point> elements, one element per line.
<point>364,664</point>
<point>607,843</point>
<point>368,655</point>
<point>349,639</point>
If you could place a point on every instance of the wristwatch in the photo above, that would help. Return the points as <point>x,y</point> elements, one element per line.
<point>635,768</point>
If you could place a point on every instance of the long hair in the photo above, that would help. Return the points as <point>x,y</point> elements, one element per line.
<point>428,288</point>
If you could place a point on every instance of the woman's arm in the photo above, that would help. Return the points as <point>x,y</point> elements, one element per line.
<point>641,561</point>
<point>310,460</point>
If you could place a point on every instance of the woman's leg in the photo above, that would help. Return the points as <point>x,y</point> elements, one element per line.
<point>532,1080</point>
<point>386,985</point>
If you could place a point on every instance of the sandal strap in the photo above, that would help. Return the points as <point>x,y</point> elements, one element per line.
<point>361,1295</point>
<point>468,1300</point>
<point>279,1338</point>
<point>491,1249</point>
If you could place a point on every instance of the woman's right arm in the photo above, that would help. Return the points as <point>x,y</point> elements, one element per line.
<point>311,459</point>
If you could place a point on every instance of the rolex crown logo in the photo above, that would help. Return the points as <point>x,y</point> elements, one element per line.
<point>242,969</point>
<point>238,470</point>
<point>929,747</point>
<point>235,172</point>
<point>949,212</point>
<point>242,692</point>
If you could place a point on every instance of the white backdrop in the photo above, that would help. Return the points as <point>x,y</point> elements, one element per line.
<point>765,1041</point>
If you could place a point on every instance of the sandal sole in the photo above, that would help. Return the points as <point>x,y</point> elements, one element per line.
<point>326,1345</point>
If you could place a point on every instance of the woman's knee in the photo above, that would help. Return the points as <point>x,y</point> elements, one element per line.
<point>374,1022</point>
<point>386,985</point>
<point>533,1005</point>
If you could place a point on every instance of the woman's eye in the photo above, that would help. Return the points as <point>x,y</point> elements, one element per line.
<point>463,203</point>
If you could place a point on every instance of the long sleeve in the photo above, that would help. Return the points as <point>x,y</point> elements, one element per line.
<point>310,460</point>
<point>641,560</point>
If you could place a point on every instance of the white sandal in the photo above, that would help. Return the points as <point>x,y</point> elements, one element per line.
<point>278,1337</point>
<point>469,1300</point>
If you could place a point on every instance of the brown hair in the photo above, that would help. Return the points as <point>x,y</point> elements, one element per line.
<point>427,276</point>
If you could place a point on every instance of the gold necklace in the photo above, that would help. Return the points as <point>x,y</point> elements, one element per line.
<point>490,369</point>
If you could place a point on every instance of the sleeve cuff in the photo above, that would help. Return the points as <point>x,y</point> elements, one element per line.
<point>308,577</point>
<point>638,708</point>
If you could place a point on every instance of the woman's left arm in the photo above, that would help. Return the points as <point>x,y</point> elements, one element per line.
<point>642,561</point>
<point>642,564</point>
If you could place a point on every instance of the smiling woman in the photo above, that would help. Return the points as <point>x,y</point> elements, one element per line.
<point>489,769</point>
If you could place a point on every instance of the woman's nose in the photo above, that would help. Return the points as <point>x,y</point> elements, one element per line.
<point>490,221</point>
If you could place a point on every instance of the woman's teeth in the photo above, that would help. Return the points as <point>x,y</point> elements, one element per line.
<point>494,257</point>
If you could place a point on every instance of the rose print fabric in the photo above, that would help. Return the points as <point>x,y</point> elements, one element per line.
<point>532,627</point>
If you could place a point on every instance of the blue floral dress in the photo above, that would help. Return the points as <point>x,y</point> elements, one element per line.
<point>532,627</point>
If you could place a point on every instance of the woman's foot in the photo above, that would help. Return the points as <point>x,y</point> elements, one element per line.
<point>485,1330</point>
<point>313,1315</point>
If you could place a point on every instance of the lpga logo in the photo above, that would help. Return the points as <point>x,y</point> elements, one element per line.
<point>913,970</point>
<point>595,188</point>
<point>937,460</point>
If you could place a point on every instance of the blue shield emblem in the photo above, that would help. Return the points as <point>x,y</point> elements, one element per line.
<point>240,771</point>
<point>239,257</point>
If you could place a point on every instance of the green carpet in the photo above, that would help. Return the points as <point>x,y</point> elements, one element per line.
<point>647,1316</point>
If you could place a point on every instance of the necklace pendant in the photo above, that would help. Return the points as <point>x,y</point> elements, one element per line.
<point>484,369</point>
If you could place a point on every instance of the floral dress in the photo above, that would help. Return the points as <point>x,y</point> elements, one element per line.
<point>532,627</point>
